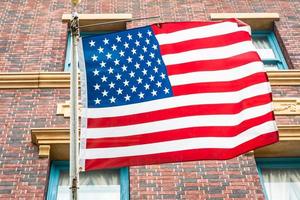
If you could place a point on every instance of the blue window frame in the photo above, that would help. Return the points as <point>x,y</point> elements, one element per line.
<point>67,67</point>
<point>288,166</point>
<point>269,49</point>
<point>58,168</point>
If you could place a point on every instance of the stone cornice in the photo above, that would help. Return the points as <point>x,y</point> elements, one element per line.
<point>284,77</point>
<point>50,135</point>
<point>257,21</point>
<point>289,132</point>
<point>288,145</point>
<point>51,141</point>
<point>23,80</point>
<point>54,142</point>
<point>88,19</point>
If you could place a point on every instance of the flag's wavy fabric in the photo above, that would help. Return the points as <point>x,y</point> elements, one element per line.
<point>173,92</point>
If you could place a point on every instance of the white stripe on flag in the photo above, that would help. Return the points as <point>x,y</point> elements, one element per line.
<point>217,76</point>
<point>178,123</point>
<point>178,101</point>
<point>245,28</point>
<point>179,145</point>
<point>209,53</point>
<point>198,32</point>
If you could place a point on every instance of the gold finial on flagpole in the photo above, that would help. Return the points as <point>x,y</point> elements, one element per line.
<point>75,2</point>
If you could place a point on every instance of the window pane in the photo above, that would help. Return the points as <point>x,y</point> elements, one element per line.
<point>266,54</point>
<point>271,66</point>
<point>104,185</point>
<point>282,183</point>
<point>261,42</point>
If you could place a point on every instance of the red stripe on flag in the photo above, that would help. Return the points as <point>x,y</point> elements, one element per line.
<point>226,86</point>
<point>169,27</point>
<point>209,42</point>
<point>213,65</point>
<point>163,136</point>
<point>180,156</point>
<point>207,109</point>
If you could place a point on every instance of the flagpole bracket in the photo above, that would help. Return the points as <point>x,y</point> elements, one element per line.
<point>74,186</point>
<point>74,25</point>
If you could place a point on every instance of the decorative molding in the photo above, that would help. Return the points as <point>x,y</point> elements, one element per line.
<point>54,80</point>
<point>64,109</point>
<point>88,19</point>
<point>23,80</point>
<point>257,21</point>
<point>289,132</point>
<point>288,145</point>
<point>286,106</point>
<point>284,77</point>
<point>54,143</point>
<point>44,151</point>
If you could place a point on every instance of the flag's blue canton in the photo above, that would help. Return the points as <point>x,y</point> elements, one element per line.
<point>124,68</point>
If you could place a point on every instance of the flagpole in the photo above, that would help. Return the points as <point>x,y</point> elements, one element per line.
<point>74,138</point>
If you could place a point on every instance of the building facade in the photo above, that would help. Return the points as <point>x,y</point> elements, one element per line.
<point>34,103</point>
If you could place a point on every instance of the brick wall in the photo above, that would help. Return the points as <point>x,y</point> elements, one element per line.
<point>235,178</point>
<point>22,174</point>
<point>32,38</point>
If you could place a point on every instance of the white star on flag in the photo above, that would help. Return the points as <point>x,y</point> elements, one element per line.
<point>96,72</point>
<point>94,57</point>
<point>92,43</point>
<point>106,41</point>
<point>97,87</point>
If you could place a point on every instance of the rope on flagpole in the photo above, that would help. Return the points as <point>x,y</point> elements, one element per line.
<point>74,137</point>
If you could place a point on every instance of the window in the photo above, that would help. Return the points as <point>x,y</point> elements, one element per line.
<point>110,184</point>
<point>264,40</point>
<point>280,177</point>
<point>269,50</point>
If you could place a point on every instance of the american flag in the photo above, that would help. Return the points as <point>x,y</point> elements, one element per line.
<point>173,92</point>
